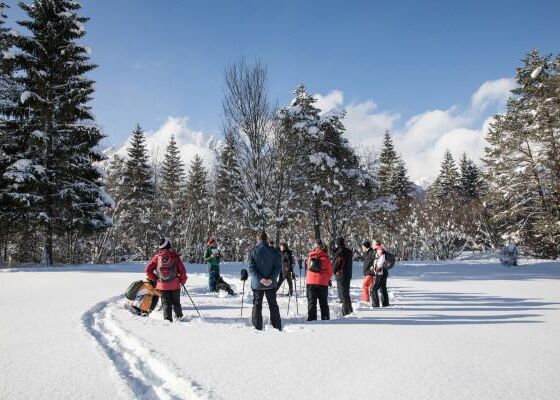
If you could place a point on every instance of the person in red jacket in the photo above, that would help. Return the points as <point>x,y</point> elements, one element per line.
<point>168,270</point>
<point>319,272</point>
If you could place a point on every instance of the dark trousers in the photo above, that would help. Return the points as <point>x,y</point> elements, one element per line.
<point>343,287</point>
<point>171,299</point>
<point>257,318</point>
<point>379,285</point>
<point>213,274</point>
<point>314,293</point>
<point>289,279</point>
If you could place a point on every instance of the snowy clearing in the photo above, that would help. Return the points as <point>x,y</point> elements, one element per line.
<point>462,330</point>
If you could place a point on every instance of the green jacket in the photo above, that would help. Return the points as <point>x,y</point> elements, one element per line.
<point>211,259</point>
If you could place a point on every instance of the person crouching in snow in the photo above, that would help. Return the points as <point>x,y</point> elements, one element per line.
<point>212,256</point>
<point>146,299</point>
<point>369,273</point>
<point>318,281</point>
<point>168,270</point>
<point>381,275</point>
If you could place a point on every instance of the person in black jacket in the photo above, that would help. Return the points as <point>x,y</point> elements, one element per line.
<point>369,273</point>
<point>342,270</point>
<point>287,267</point>
<point>264,266</point>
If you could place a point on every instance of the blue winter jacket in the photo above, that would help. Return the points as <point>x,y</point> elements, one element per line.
<point>264,262</point>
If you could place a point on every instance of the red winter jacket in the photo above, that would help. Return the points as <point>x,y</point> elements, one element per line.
<point>323,277</point>
<point>151,271</point>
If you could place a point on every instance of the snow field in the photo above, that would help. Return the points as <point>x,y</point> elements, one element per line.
<point>462,330</point>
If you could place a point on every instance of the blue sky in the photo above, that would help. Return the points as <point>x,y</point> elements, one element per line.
<point>166,58</point>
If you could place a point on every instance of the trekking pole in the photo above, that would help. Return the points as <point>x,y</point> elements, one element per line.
<point>194,305</point>
<point>295,281</point>
<point>244,276</point>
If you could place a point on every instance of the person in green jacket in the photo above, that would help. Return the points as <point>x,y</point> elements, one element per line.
<point>212,256</point>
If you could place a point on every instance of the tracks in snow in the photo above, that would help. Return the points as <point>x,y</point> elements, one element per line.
<point>146,373</point>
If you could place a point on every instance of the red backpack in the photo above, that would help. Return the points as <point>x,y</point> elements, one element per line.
<point>167,268</point>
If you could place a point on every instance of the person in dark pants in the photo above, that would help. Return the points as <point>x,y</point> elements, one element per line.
<point>381,275</point>
<point>213,256</point>
<point>168,270</point>
<point>342,270</point>
<point>287,260</point>
<point>318,281</point>
<point>265,266</point>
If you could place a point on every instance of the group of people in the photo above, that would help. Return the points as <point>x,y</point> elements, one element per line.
<point>270,267</point>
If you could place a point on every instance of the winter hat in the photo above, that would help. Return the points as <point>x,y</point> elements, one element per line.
<point>164,244</point>
<point>340,242</point>
<point>318,243</point>
<point>211,241</point>
<point>366,244</point>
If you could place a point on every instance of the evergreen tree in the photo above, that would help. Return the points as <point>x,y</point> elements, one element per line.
<point>138,212</point>
<point>446,184</point>
<point>388,162</point>
<point>402,186</point>
<point>227,200</point>
<point>54,180</point>
<point>301,120</point>
<point>172,171</point>
<point>171,193</point>
<point>197,227</point>
<point>523,161</point>
<point>470,180</point>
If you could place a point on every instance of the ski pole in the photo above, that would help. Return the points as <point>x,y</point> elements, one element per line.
<point>242,297</point>
<point>244,277</point>
<point>289,298</point>
<point>194,305</point>
<point>295,281</point>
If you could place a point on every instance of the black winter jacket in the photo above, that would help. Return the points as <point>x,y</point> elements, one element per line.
<point>287,263</point>
<point>369,261</point>
<point>342,262</point>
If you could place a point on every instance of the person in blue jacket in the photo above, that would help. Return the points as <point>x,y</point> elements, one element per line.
<point>265,266</point>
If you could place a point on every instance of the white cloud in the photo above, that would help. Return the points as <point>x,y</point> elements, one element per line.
<point>423,138</point>
<point>189,142</point>
<point>330,101</point>
<point>492,93</point>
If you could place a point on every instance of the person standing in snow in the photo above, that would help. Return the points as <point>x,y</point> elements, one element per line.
<point>287,259</point>
<point>168,270</point>
<point>318,281</point>
<point>381,275</point>
<point>212,256</point>
<point>369,274</point>
<point>342,270</point>
<point>265,266</point>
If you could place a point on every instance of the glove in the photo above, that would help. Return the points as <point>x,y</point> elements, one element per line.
<point>330,283</point>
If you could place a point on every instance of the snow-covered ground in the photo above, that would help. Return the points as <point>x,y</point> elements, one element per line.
<point>470,329</point>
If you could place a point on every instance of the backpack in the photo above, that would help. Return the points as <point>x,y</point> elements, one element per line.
<point>131,291</point>
<point>167,268</point>
<point>315,265</point>
<point>389,260</point>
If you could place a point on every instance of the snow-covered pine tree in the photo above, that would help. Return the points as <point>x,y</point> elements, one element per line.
<point>138,210</point>
<point>8,97</point>
<point>522,159</point>
<point>388,161</point>
<point>402,186</point>
<point>446,184</point>
<point>230,229</point>
<point>302,121</point>
<point>198,221</point>
<point>171,194</point>
<point>54,179</point>
<point>349,190</point>
<point>470,179</point>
